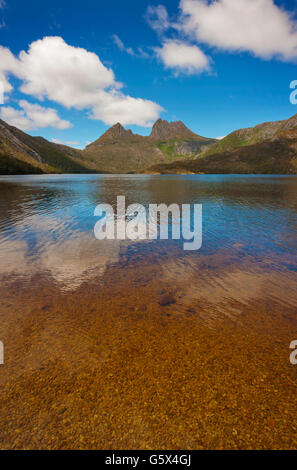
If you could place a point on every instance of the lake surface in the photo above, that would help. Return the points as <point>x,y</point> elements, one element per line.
<point>140,344</point>
<point>47,222</point>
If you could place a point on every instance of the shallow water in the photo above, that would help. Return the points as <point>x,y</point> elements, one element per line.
<point>140,344</point>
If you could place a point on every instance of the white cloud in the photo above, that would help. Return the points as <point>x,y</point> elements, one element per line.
<point>8,64</point>
<point>183,57</point>
<point>118,42</point>
<point>65,74</point>
<point>114,107</point>
<point>2,22</point>
<point>75,77</point>
<point>16,118</point>
<point>32,116</point>
<point>257,26</point>
<point>157,18</point>
<point>70,143</point>
<point>138,53</point>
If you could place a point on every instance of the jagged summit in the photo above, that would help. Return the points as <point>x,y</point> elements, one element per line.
<point>164,130</point>
<point>161,131</point>
<point>117,131</point>
<point>113,134</point>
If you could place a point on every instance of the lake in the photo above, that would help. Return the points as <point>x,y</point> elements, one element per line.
<point>139,344</point>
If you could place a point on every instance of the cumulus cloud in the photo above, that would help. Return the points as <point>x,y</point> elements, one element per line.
<point>16,118</point>
<point>182,57</point>
<point>32,116</point>
<point>75,77</point>
<point>8,65</point>
<point>114,107</point>
<point>257,26</point>
<point>68,75</point>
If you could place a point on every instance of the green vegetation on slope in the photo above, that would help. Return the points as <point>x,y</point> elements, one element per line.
<point>248,136</point>
<point>12,166</point>
<point>269,157</point>
<point>21,153</point>
<point>57,157</point>
<point>168,148</point>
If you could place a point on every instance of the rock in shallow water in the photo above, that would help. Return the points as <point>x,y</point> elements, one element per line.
<point>167,299</point>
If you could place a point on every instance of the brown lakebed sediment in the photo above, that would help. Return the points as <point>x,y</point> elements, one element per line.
<point>109,365</point>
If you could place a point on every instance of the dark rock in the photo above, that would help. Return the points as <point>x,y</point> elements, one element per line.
<point>167,299</point>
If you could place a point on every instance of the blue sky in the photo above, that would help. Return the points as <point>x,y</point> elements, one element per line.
<point>215,67</point>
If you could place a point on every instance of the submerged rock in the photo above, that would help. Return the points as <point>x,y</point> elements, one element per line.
<point>167,299</point>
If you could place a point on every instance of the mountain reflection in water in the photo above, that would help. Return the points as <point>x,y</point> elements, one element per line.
<point>140,344</point>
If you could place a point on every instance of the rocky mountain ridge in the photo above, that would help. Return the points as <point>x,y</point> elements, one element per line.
<point>164,130</point>
<point>120,151</point>
<point>270,147</point>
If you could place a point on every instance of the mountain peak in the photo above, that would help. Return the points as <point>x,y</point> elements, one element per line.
<point>117,130</point>
<point>113,134</point>
<point>164,130</point>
